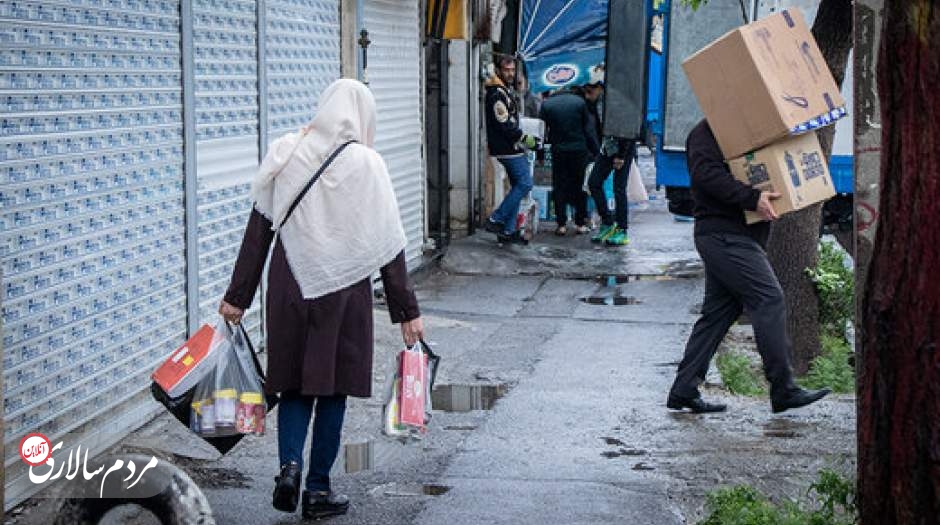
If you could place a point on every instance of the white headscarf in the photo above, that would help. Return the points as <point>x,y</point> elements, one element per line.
<point>348,225</point>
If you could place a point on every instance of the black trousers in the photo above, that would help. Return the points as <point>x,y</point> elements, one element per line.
<point>738,276</point>
<point>599,174</point>
<point>567,183</point>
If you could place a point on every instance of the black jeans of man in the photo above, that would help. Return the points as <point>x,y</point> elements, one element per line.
<point>293,421</point>
<point>568,182</point>
<point>738,277</point>
<point>599,174</point>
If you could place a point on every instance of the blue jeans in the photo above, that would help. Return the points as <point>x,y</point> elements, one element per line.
<point>293,420</point>
<point>520,179</point>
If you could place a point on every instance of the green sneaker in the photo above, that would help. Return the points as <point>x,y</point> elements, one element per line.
<point>604,233</point>
<point>618,238</point>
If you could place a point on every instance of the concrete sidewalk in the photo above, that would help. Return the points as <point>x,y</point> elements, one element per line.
<point>578,432</point>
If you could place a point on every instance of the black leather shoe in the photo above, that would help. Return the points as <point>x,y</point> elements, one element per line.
<point>798,398</point>
<point>317,505</point>
<point>493,226</point>
<point>696,405</point>
<point>287,488</point>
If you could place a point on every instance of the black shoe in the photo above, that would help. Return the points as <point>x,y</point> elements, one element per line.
<point>492,226</point>
<point>287,488</point>
<point>696,405</point>
<point>512,238</point>
<point>798,398</point>
<point>318,505</point>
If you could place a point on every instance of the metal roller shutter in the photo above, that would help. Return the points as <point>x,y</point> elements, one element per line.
<point>301,57</point>
<point>227,117</point>
<point>92,217</point>
<point>395,78</point>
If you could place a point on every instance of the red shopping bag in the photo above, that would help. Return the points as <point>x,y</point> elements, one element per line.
<point>413,386</point>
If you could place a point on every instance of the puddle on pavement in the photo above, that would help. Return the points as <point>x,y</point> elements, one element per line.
<point>464,398</point>
<point>612,281</point>
<point>370,455</point>
<point>460,427</point>
<point>616,300</point>
<point>687,269</point>
<point>358,457</point>
<point>410,490</point>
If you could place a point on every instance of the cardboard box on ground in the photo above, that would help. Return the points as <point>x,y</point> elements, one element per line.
<point>763,82</point>
<point>794,167</point>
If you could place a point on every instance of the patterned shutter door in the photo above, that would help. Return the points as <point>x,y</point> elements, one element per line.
<point>395,77</point>
<point>227,119</point>
<point>91,218</point>
<point>302,58</point>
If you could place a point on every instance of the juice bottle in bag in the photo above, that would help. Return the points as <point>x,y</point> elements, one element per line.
<point>226,407</point>
<point>250,414</point>
<point>207,419</point>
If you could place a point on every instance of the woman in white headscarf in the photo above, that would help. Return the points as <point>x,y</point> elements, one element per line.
<point>319,295</point>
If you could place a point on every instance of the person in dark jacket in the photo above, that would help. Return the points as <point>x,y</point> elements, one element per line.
<point>319,293</point>
<point>508,144</point>
<point>615,154</point>
<point>738,276</point>
<point>569,132</point>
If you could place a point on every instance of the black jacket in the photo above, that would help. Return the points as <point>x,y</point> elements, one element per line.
<point>502,121</point>
<point>720,199</point>
<point>594,127</point>
<point>569,124</point>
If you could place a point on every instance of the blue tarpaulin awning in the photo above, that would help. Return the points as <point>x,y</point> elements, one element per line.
<point>562,41</point>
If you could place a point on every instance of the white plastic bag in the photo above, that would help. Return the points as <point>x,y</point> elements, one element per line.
<point>636,190</point>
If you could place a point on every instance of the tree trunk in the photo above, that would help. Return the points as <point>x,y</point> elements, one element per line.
<point>794,238</point>
<point>899,381</point>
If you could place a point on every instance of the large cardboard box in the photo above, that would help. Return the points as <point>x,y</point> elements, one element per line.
<point>794,167</point>
<point>762,82</point>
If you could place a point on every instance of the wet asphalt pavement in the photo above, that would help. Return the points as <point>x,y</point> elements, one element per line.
<point>554,392</point>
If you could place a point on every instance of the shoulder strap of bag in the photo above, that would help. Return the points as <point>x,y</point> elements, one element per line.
<point>313,179</point>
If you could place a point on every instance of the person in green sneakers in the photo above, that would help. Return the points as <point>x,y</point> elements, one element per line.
<point>614,154</point>
<point>604,232</point>
<point>619,237</point>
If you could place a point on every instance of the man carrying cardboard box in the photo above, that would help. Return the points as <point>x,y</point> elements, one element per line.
<point>738,276</point>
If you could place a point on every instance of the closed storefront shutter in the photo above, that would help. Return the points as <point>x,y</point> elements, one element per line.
<point>302,58</point>
<point>394,74</point>
<point>227,156</point>
<point>91,217</point>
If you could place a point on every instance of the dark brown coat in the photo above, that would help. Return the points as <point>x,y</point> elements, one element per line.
<point>319,346</point>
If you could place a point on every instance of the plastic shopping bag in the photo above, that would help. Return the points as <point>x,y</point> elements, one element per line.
<point>413,387</point>
<point>636,190</point>
<point>408,404</point>
<point>227,402</point>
